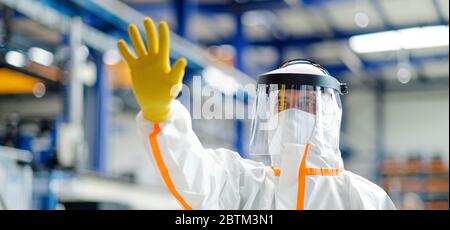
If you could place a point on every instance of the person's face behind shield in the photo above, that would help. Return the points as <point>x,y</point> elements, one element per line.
<point>295,105</point>
<point>294,119</point>
<point>296,99</point>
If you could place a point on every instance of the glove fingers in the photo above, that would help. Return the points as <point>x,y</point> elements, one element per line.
<point>177,72</point>
<point>152,41</point>
<point>126,53</point>
<point>163,52</point>
<point>136,40</point>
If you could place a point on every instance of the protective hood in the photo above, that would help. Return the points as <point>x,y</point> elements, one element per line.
<point>297,104</point>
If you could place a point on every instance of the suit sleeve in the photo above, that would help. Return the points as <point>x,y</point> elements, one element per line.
<point>199,178</point>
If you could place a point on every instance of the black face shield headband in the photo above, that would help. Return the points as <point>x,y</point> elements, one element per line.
<point>296,79</point>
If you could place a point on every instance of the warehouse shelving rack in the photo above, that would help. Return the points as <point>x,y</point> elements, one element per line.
<point>428,178</point>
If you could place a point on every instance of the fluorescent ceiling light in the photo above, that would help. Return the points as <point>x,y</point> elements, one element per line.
<point>15,58</point>
<point>40,56</point>
<point>412,38</point>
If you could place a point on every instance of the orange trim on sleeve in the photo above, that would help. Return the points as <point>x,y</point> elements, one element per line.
<point>323,172</point>
<point>162,167</point>
<point>276,171</point>
<point>302,180</point>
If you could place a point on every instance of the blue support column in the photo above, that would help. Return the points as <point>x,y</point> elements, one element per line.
<point>239,141</point>
<point>183,9</point>
<point>239,42</point>
<point>280,61</point>
<point>101,116</point>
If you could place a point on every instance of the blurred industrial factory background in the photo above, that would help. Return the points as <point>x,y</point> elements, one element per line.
<point>68,137</point>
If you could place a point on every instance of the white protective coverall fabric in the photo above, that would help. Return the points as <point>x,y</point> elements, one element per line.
<point>297,129</point>
<point>202,178</point>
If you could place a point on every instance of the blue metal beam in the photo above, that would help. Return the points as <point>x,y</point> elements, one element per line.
<point>209,8</point>
<point>384,18</point>
<point>60,6</point>
<point>249,5</point>
<point>376,65</point>
<point>119,26</point>
<point>441,17</point>
<point>413,60</point>
<point>307,41</point>
<point>99,12</point>
<point>261,5</point>
<point>376,3</point>
<point>320,3</point>
<point>163,7</point>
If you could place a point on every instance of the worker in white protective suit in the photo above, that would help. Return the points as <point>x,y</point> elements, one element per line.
<point>297,121</point>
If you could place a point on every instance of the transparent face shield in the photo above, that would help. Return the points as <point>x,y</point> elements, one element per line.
<point>286,114</point>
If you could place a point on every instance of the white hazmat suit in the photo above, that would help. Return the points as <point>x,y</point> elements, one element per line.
<point>308,175</point>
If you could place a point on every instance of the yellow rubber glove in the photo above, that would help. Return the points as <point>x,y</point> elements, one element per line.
<point>155,84</point>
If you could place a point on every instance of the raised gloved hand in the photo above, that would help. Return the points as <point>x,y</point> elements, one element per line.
<point>155,83</point>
